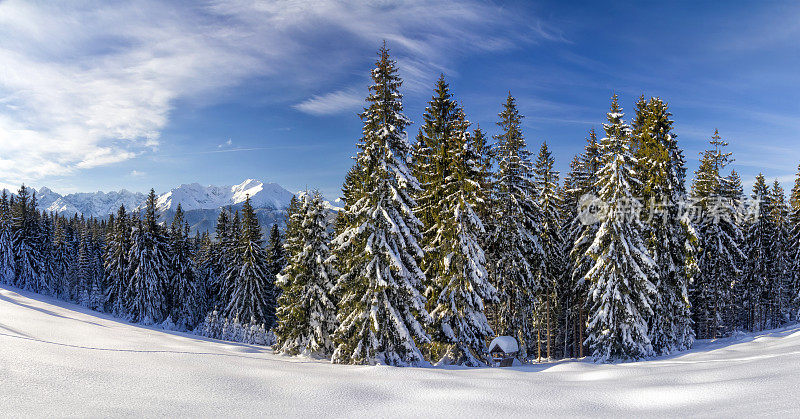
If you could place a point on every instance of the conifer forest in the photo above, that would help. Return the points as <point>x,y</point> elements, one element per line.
<point>450,234</point>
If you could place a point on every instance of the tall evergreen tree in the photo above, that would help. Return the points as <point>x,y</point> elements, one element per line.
<point>462,286</point>
<point>69,251</point>
<point>8,266</point>
<point>216,264</point>
<point>447,163</point>
<point>582,231</point>
<point>567,301</point>
<point>206,262</point>
<point>382,312</point>
<point>185,282</point>
<point>97,274</point>
<point>253,296</point>
<point>621,281</point>
<point>515,251</point>
<point>662,169</point>
<point>48,279</point>
<point>794,248</point>
<point>760,265</point>
<point>60,263</point>
<point>231,258</point>
<point>431,167</point>
<point>545,179</point>
<point>149,259</point>
<point>720,259</point>
<point>27,252</point>
<point>306,313</point>
<point>779,286</point>
<point>117,265</point>
<point>85,275</point>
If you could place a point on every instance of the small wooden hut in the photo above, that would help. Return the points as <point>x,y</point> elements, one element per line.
<point>503,350</point>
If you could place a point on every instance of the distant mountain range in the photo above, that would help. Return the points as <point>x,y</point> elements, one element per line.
<point>198,197</point>
<point>202,204</point>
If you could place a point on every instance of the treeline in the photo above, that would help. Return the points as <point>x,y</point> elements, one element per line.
<point>449,240</point>
<point>135,268</point>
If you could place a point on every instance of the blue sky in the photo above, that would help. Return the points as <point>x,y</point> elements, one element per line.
<point>140,94</point>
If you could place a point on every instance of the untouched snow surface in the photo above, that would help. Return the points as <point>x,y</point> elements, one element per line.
<point>61,360</point>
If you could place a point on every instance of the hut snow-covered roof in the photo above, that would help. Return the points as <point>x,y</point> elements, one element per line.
<point>506,344</point>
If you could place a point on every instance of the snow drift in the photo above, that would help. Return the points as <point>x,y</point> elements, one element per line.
<point>58,359</point>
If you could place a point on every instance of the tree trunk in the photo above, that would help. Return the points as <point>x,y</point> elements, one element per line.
<point>580,329</point>
<point>539,342</point>
<point>549,329</point>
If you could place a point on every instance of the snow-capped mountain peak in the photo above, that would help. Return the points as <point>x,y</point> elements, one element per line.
<point>93,204</point>
<point>190,196</point>
<point>195,196</point>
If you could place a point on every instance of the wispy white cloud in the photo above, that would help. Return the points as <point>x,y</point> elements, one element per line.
<point>332,103</point>
<point>136,173</point>
<point>93,83</point>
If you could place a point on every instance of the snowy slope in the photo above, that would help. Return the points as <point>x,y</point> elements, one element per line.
<point>60,360</point>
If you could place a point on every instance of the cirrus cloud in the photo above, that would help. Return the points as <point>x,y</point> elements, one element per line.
<point>92,83</point>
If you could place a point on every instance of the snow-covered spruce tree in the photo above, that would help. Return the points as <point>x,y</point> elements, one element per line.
<point>66,257</point>
<point>793,248</point>
<point>84,270</point>
<point>231,260</point>
<point>545,180</point>
<point>8,266</point>
<point>89,275</point>
<point>582,231</point>
<point>462,286</point>
<point>306,313</point>
<point>567,301</point>
<point>207,268</point>
<point>661,168</point>
<point>185,280</point>
<point>515,254</point>
<point>352,191</point>
<point>381,310</point>
<point>621,281</point>
<point>733,192</point>
<point>27,252</point>
<point>253,294</point>
<point>60,262</point>
<point>447,162</point>
<point>96,292</point>
<point>215,266</point>
<point>431,168</point>
<point>760,263</point>
<point>484,155</point>
<point>116,263</point>
<point>720,258</point>
<point>149,259</point>
<point>47,250</point>
<point>779,287</point>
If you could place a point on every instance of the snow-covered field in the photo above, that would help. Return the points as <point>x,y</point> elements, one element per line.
<point>58,359</point>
